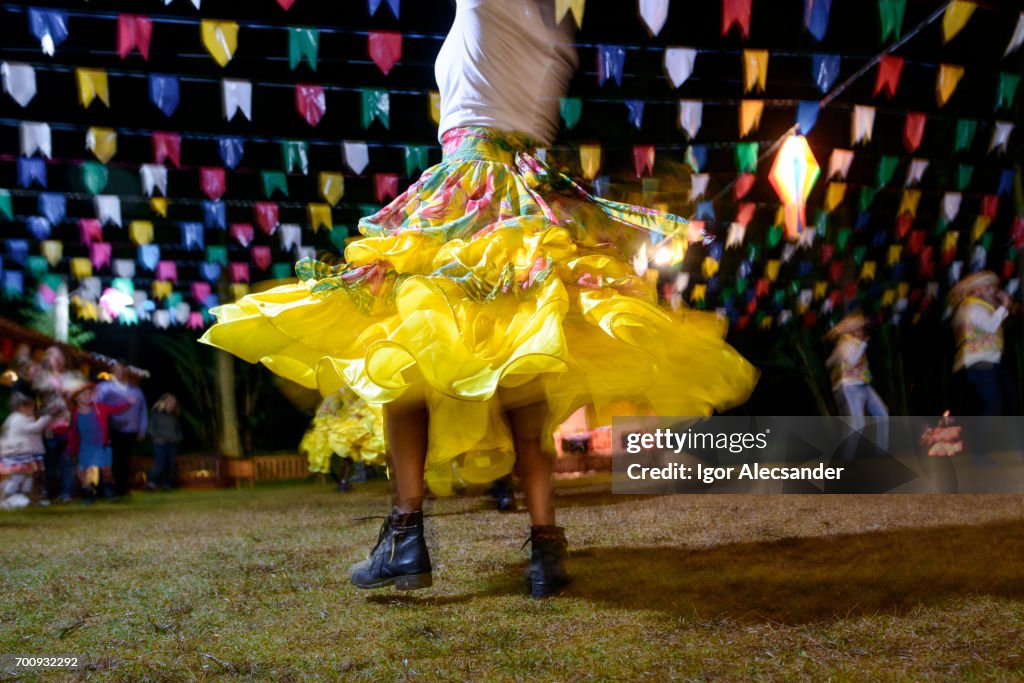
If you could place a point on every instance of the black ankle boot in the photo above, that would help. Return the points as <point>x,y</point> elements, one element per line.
<point>399,558</point>
<point>548,549</point>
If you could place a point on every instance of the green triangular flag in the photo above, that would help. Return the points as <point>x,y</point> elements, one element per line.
<point>891,14</point>
<point>859,253</point>
<point>986,241</point>
<point>416,158</point>
<point>37,266</point>
<point>741,284</point>
<point>867,197</point>
<point>123,284</point>
<point>758,317</point>
<point>376,104</point>
<point>94,176</point>
<point>746,157</point>
<point>1007,89</point>
<point>964,136</point>
<point>338,237</point>
<point>886,169</point>
<point>691,160</point>
<point>217,254</point>
<point>274,180</point>
<point>842,239</point>
<point>779,297</point>
<point>964,173</point>
<point>295,154</point>
<point>173,299</point>
<point>821,223</point>
<point>368,209</point>
<point>303,42</point>
<point>284,271</point>
<point>941,225</point>
<point>52,280</point>
<point>753,251</point>
<point>774,236</point>
<point>5,204</point>
<point>570,109</point>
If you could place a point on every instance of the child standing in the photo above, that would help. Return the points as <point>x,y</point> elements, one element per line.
<point>21,455</point>
<point>89,438</point>
<point>165,429</point>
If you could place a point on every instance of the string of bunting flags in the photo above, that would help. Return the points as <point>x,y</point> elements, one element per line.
<point>135,257</point>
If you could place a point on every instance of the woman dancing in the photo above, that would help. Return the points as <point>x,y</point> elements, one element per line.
<point>489,301</point>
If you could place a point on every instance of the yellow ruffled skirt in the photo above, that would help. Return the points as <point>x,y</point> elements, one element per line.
<point>344,424</point>
<point>492,283</point>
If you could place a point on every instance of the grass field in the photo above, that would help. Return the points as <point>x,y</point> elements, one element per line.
<point>218,585</point>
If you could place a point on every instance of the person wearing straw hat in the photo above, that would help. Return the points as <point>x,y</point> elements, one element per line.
<point>851,380</point>
<point>983,385</point>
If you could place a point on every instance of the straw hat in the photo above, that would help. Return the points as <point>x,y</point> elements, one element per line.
<point>74,387</point>
<point>853,321</point>
<point>967,285</point>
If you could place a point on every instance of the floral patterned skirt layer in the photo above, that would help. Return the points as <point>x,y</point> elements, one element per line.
<point>492,283</point>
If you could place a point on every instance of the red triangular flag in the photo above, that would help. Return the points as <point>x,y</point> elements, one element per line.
<point>643,158</point>
<point>1018,232</point>
<point>200,290</point>
<point>239,271</point>
<point>213,181</point>
<point>916,242</point>
<point>385,186</point>
<point>261,257</point>
<point>743,185</point>
<point>310,102</point>
<point>243,233</point>
<point>133,31</point>
<point>745,213</point>
<point>736,12</point>
<point>903,224</point>
<point>811,319</point>
<point>90,230</point>
<point>1008,269</point>
<point>827,251</point>
<point>286,4</point>
<point>167,146</point>
<point>889,70</point>
<point>990,205</point>
<point>267,217</point>
<point>761,288</point>
<point>835,271</point>
<point>385,48</point>
<point>927,261</point>
<point>850,290</point>
<point>913,130</point>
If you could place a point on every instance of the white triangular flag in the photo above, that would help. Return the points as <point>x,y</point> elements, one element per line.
<point>357,156</point>
<point>35,137</point>
<point>682,282</point>
<point>640,261</point>
<point>805,298</point>
<point>237,96</point>
<point>863,123</point>
<point>955,268</point>
<point>654,13</point>
<point>1012,285</point>
<point>690,113</point>
<point>304,252</point>
<point>806,238</point>
<point>951,205</point>
<point>123,267</point>
<point>826,306</point>
<point>1000,136</point>
<point>784,316</point>
<point>1017,39</point>
<point>737,231</point>
<point>679,64</point>
<point>90,288</point>
<point>19,81</point>
<point>195,3</point>
<point>916,171</point>
<point>542,154</point>
<point>901,304</point>
<point>181,311</point>
<point>699,185</point>
<point>978,258</point>
<point>162,319</point>
<point>291,236</point>
<point>839,163</point>
<point>154,177</point>
<point>789,249</point>
<point>108,209</point>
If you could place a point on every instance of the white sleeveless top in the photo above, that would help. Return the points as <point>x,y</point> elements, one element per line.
<point>504,65</point>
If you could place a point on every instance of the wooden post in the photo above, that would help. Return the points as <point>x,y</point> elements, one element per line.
<point>230,443</point>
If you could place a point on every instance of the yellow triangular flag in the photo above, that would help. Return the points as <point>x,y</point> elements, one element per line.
<point>750,116</point>
<point>220,39</point>
<point>771,269</point>
<point>141,232</point>
<point>709,267</point>
<point>238,290</point>
<point>320,217</point>
<point>53,251</point>
<point>159,206</point>
<point>85,310</point>
<point>102,142</point>
<point>834,196</point>
<point>955,18</point>
<point>949,78</point>
<point>575,6</point>
<point>332,187</point>
<point>888,296</point>
<point>81,268</point>
<point>903,289</point>
<point>981,224</point>
<point>766,322</point>
<point>698,293</point>
<point>435,107</point>
<point>92,83</point>
<point>162,289</point>
<point>909,202</point>
<point>867,271</point>
<point>755,69</point>
<point>895,253</point>
<point>590,160</point>
<point>820,289</point>
<point>950,240</point>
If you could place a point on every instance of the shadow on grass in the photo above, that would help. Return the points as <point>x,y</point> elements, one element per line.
<point>801,580</point>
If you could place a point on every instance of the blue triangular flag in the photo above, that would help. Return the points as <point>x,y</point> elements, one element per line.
<point>31,170</point>
<point>149,255</point>
<point>705,211</point>
<point>192,236</point>
<point>636,112</point>
<point>163,92</point>
<point>825,70</point>
<point>17,251</point>
<point>816,17</point>
<point>231,151</point>
<point>53,206</point>
<point>210,271</point>
<point>39,227</point>
<point>1006,181</point>
<point>52,23</point>
<point>215,215</point>
<point>610,60</point>
<point>14,283</point>
<point>807,115</point>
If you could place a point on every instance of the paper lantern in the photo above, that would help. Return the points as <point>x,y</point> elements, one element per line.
<point>793,174</point>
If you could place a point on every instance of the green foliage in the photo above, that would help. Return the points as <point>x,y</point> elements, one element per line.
<point>46,323</point>
<point>195,365</point>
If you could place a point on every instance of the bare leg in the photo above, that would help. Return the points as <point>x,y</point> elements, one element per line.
<point>405,428</point>
<point>535,466</point>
